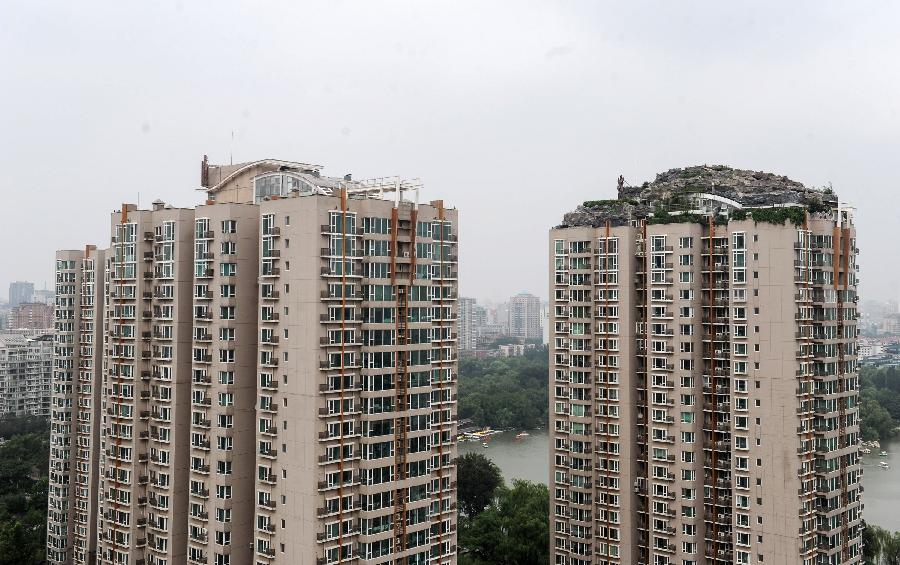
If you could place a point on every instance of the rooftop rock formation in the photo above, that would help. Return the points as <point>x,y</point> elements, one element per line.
<point>677,190</point>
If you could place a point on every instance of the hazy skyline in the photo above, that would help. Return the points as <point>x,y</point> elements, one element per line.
<point>512,112</point>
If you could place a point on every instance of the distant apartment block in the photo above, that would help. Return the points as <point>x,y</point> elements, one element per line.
<point>267,378</point>
<point>525,316</point>
<point>31,316</point>
<point>43,296</point>
<point>472,324</point>
<point>467,324</point>
<point>19,292</point>
<point>704,383</point>
<point>26,363</point>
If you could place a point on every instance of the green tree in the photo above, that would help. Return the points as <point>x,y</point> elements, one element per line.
<point>876,423</point>
<point>23,490</point>
<point>477,477</point>
<point>514,530</point>
<point>880,546</point>
<point>871,543</point>
<point>505,392</point>
<point>15,546</point>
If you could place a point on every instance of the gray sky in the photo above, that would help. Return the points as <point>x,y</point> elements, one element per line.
<point>513,112</point>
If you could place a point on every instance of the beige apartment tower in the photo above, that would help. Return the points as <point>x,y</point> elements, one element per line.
<point>271,378</point>
<point>703,389</point>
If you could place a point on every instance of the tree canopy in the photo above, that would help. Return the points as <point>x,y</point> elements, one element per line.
<point>477,477</point>
<point>879,408</point>
<point>880,546</point>
<point>513,530</point>
<point>505,392</point>
<point>23,490</point>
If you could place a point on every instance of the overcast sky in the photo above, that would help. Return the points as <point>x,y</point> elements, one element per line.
<point>513,112</point>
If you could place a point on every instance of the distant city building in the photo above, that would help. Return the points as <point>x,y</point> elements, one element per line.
<point>19,292</point>
<point>545,323</point>
<point>870,350</point>
<point>704,381</point>
<point>30,315</point>
<point>496,316</point>
<point>43,296</point>
<point>525,316</point>
<point>466,323</point>
<point>890,324</point>
<point>511,350</point>
<point>489,333</point>
<point>26,370</point>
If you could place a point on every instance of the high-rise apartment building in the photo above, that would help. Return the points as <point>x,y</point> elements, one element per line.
<point>26,366</point>
<point>279,377</point>
<point>19,292</point>
<point>31,316</point>
<point>75,409</point>
<point>525,316</point>
<point>468,323</point>
<point>704,375</point>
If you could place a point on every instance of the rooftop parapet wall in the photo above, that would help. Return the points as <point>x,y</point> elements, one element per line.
<point>709,189</point>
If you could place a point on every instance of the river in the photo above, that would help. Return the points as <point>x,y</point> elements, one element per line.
<point>526,458</point>
<point>529,458</point>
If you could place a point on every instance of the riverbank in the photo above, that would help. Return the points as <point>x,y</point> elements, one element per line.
<point>529,458</point>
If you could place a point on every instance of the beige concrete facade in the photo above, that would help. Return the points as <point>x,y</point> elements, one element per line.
<point>75,419</point>
<point>725,429</point>
<point>279,377</point>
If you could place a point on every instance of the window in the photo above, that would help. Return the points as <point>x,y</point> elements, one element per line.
<point>229,226</point>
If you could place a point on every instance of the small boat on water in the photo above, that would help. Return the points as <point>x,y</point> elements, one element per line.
<point>883,454</point>
<point>884,465</point>
<point>865,451</point>
<point>484,444</point>
<point>520,435</point>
